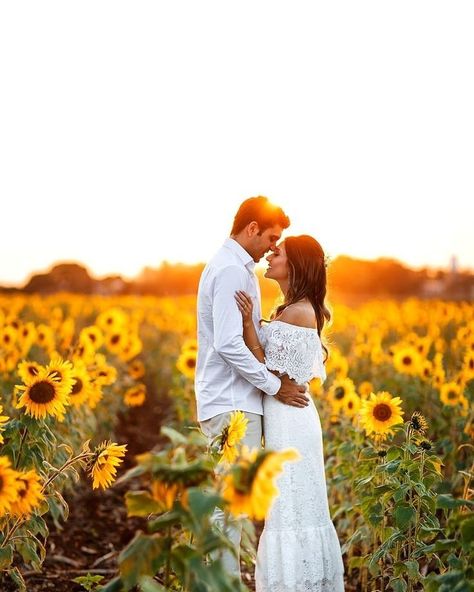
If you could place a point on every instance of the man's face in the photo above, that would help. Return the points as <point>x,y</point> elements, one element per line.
<point>265,241</point>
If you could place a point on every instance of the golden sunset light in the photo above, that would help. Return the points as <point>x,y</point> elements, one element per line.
<point>137,145</point>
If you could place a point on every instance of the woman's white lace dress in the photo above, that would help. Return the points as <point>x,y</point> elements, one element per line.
<point>299,550</point>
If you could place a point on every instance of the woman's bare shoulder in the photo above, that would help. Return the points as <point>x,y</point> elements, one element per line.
<point>300,314</point>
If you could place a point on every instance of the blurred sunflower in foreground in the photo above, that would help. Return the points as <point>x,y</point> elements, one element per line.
<point>231,435</point>
<point>250,487</point>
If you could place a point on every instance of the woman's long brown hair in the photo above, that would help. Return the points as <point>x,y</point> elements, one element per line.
<point>307,278</point>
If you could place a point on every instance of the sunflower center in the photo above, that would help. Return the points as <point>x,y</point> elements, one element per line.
<point>77,388</point>
<point>406,360</point>
<point>42,392</point>
<point>471,364</point>
<point>339,392</point>
<point>191,363</point>
<point>115,339</point>
<point>452,395</point>
<point>382,412</point>
<point>92,336</point>
<point>350,404</point>
<point>1,483</point>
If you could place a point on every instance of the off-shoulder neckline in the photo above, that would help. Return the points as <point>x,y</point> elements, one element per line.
<point>295,326</point>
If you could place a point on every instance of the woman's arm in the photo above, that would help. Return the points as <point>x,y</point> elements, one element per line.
<point>245,304</point>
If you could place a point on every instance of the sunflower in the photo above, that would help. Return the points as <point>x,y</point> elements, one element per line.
<point>111,320</point>
<point>29,493</point>
<point>337,363</point>
<point>115,341</point>
<point>8,485</point>
<point>135,395</point>
<point>103,373</point>
<point>380,412</point>
<point>3,421</point>
<point>95,394</point>
<point>136,369</point>
<point>26,336</point>
<point>82,387</point>
<point>45,337</point>
<point>27,370</point>
<point>351,404</point>
<point>250,487</point>
<point>131,347</point>
<point>84,352</point>
<point>407,360</point>
<point>451,393</point>
<point>91,335</point>
<point>339,390</point>
<point>190,344</point>
<point>365,388</point>
<point>8,338</point>
<point>62,371</point>
<point>103,465</point>
<point>231,435</point>
<point>468,366</point>
<point>164,493</point>
<point>316,386</point>
<point>187,363</point>
<point>418,422</point>
<point>43,395</point>
<point>426,370</point>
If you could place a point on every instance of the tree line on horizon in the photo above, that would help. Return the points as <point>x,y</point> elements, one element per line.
<point>383,277</point>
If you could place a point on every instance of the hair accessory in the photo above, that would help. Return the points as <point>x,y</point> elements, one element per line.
<point>327,260</point>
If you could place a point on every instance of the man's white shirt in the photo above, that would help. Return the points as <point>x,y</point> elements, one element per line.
<point>228,375</point>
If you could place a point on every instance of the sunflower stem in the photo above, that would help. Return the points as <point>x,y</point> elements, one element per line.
<point>23,438</point>
<point>168,558</point>
<point>11,532</point>
<point>68,463</point>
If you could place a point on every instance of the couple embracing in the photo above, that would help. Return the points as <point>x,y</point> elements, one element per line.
<point>264,371</point>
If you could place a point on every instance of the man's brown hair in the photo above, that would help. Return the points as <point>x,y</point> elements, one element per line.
<point>259,209</point>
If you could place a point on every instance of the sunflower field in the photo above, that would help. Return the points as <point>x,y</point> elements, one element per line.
<point>398,426</point>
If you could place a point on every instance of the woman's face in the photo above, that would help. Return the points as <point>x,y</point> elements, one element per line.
<point>277,264</point>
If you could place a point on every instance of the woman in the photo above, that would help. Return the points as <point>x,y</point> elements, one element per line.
<point>298,548</point>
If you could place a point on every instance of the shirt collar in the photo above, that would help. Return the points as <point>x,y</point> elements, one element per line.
<point>243,255</point>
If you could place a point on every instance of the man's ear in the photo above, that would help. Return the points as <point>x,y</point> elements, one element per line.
<point>253,228</point>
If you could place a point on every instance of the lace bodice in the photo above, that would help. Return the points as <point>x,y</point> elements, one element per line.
<point>296,351</point>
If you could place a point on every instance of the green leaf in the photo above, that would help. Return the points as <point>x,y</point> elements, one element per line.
<point>202,503</point>
<point>467,530</point>
<point>398,584</point>
<point>392,453</point>
<point>403,515</point>
<point>392,466</point>
<point>447,501</point>
<point>412,569</point>
<point>140,503</point>
<point>6,556</point>
<point>142,557</point>
<point>16,576</point>
<point>175,437</point>
<point>164,521</point>
<point>89,581</point>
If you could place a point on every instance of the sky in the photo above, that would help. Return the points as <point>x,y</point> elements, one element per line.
<point>130,132</point>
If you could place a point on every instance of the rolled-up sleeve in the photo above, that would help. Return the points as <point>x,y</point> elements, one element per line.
<point>228,331</point>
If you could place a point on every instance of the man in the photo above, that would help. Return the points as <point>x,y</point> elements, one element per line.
<point>228,376</point>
